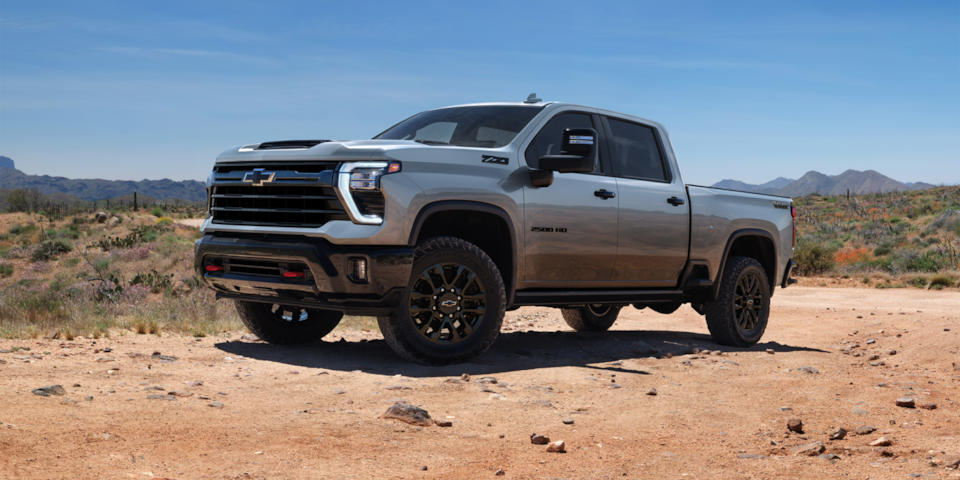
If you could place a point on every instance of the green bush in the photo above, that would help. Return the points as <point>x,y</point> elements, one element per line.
<point>157,282</point>
<point>5,270</point>
<point>51,248</point>
<point>913,260</point>
<point>16,229</point>
<point>941,281</point>
<point>157,212</point>
<point>813,257</point>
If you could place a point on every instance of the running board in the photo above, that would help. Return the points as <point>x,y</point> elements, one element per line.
<point>548,298</point>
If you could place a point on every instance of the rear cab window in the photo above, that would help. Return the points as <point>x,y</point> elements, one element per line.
<point>635,151</point>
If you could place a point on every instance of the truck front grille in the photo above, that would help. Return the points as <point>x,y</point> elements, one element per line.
<point>300,195</point>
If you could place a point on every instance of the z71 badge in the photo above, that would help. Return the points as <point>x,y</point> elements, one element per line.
<point>492,159</point>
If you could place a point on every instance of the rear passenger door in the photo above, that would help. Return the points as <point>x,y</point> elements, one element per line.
<point>652,233</point>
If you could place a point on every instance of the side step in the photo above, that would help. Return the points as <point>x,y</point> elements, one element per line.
<point>549,298</point>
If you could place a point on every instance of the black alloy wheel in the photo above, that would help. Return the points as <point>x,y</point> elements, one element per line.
<point>738,317</point>
<point>454,307</point>
<point>447,303</point>
<point>748,301</point>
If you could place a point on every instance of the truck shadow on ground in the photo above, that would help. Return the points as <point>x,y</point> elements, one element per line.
<point>512,351</point>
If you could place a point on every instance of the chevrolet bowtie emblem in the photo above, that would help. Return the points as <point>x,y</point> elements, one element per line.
<point>258,177</point>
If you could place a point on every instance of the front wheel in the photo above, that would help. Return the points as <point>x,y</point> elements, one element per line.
<point>591,318</point>
<point>284,325</point>
<point>453,307</point>
<point>738,317</point>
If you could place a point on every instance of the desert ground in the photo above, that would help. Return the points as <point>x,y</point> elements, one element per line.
<point>230,406</point>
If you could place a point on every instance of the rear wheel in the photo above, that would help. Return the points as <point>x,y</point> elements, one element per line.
<point>453,307</point>
<point>739,315</point>
<point>591,318</point>
<point>285,325</point>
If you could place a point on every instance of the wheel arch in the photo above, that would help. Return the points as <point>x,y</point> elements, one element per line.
<point>754,243</point>
<point>463,219</point>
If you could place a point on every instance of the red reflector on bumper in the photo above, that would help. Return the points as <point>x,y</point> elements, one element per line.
<point>293,274</point>
<point>214,268</point>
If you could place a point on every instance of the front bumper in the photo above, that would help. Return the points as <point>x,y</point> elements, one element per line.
<point>326,283</point>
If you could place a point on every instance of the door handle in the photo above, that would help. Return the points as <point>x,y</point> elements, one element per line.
<point>675,201</point>
<point>604,194</point>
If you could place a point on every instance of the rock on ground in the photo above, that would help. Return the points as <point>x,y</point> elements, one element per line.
<point>881,442</point>
<point>906,402</point>
<point>838,433</point>
<point>539,439</point>
<point>808,449</point>
<point>409,414</point>
<point>50,390</point>
<point>558,446</point>
<point>795,425</point>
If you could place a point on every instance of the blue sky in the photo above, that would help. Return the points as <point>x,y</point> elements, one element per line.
<point>749,90</point>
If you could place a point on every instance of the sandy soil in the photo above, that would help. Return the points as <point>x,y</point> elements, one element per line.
<point>313,411</point>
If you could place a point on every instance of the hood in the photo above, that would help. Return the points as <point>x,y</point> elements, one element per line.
<point>336,150</point>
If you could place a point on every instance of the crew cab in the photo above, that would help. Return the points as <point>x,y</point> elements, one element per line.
<point>446,220</point>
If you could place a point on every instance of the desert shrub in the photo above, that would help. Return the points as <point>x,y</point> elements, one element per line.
<point>51,248</point>
<point>71,262</point>
<point>157,212</point>
<point>164,221</point>
<point>813,257</point>
<point>16,229</point>
<point>65,233</point>
<point>913,260</point>
<point>157,282</point>
<point>941,280</point>
<point>132,239</point>
<point>5,270</point>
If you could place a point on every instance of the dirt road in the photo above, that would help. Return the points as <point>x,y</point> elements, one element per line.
<point>312,412</point>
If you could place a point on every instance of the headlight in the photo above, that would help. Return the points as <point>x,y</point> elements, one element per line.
<point>361,177</point>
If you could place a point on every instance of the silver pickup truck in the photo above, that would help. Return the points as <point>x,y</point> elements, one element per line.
<point>453,216</point>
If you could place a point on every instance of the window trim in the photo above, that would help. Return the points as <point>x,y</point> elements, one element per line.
<point>606,168</point>
<point>664,164</point>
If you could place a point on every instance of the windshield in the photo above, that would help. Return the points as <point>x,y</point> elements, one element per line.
<point>490,126</point>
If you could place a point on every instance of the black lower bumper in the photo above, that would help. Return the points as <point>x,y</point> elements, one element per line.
<point>304,272</point>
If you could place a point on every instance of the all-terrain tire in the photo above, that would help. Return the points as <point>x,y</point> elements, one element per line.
<point>591,318</point>
<point>453,307</point>
<point>739,315</point>
<point>282,325</point>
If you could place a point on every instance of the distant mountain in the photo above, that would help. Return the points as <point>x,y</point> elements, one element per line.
<point>97,189</point>
<point>855,181</point>
<point>770,187</point>
<point>6,162</point>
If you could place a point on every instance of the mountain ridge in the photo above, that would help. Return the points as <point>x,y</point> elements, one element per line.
<point>99,189</point>
<point>857,182</point>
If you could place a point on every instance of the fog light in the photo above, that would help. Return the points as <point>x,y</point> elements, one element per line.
<point>358,269</point>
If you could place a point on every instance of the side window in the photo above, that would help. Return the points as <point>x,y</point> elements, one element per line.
<point>634,151</point>
<point>550,138</point>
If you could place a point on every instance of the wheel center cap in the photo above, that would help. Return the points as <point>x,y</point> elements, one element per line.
<point>750,302</point>
<point>448,303</point>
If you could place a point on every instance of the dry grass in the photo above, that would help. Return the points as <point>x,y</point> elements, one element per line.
<point>56,298</point>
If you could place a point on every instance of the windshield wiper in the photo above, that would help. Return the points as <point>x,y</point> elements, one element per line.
<point>431,142</point>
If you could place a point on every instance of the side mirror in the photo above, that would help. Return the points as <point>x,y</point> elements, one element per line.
<point>577,153</point>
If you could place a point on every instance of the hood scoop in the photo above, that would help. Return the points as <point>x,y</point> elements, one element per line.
<point>289,144</point>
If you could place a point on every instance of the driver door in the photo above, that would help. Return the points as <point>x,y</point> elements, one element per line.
<point>570,226</point>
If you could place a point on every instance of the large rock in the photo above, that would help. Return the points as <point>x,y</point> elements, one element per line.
<point>409,414</point>
<point>865,430</point>
<point>559,446</point>
<point>881,442</point>
<point>50,390</point>
<point>100,217</point>
<point>808,449</point>
<point>539,439</point>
